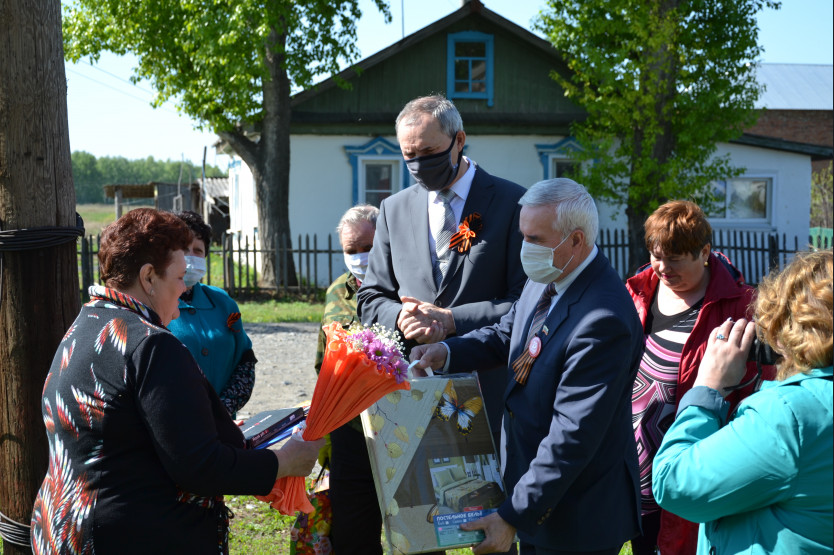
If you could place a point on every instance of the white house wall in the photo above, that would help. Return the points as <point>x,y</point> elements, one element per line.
<point>321,179</point>
<point>790,202</point>
<point>321,184</point>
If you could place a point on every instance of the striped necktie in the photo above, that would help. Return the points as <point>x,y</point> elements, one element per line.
<point>521,365</point>
<point>443,234</point>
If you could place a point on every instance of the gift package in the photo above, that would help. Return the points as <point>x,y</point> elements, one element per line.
<point>434,461</point>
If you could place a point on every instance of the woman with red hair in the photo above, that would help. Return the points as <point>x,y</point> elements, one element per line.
<point>141,448</point>
<point>681,296</point>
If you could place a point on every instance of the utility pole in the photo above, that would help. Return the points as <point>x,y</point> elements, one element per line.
<point>39,295</point>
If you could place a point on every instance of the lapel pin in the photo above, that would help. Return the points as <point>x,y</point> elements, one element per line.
<point>545,330</point>
<point>535,346</point>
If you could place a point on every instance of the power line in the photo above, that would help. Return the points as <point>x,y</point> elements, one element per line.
<point>128,81</point>
<point>144,100</point>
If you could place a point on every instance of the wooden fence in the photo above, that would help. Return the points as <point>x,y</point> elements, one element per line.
<point>316,266</point>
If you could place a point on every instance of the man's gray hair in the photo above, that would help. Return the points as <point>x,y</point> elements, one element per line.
<point>574,207</point>
<point>438,107</point>
<point>357,215</point>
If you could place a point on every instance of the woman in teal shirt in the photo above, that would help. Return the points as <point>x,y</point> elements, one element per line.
<point>762,482</point>
<point>209,325</point>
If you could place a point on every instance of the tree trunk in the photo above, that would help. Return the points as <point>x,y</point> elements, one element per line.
<point>39,297</point>
<point>661,144</point>
<point>637,253</point>
<point>272,171</point>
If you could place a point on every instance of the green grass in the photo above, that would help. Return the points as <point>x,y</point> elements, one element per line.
<point>258,529</point>
<point>280,311</point>
<point>96,216</point>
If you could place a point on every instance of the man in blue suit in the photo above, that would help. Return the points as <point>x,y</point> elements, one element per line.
<point>573,342</point>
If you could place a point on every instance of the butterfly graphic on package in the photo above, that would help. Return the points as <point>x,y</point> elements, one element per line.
<point>464,413</point>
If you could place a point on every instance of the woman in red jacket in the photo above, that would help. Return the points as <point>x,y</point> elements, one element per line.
<point>681,296</point>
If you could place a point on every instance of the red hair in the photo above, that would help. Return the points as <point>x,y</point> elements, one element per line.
<point>678,227</point>
<point>142,236</point>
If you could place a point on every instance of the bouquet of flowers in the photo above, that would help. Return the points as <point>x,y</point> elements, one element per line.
<point>360,366</point>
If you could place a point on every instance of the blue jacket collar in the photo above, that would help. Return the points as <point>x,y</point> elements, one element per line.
<point>200,299</point>
<point>796,378</point>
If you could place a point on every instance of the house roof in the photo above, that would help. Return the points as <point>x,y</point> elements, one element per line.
<point>796,86</point>
<point>217,187</point>
<point>468,7</point>
<point>816,152</point>
<point>139,190</point>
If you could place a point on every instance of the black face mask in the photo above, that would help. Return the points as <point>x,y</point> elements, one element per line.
<point>435,171</point>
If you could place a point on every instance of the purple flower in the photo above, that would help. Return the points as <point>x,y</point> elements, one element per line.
<point>382,347</point>
<point>366,336</point>
<point>376,351</point>
<point>400,371</point>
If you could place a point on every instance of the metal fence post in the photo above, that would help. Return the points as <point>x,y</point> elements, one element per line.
<point>772,252</point>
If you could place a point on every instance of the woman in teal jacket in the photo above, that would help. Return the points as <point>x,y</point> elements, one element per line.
<point>210,327</point>
<point>762,482</point>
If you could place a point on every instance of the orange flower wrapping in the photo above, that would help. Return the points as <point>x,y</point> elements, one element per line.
<point>348,383</point>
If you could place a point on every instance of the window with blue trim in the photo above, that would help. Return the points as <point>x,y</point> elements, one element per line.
<point>556,158</point>
<point>470,66</point>
<point>378,171</point>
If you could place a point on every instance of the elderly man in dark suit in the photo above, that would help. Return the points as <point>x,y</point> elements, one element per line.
<point>445,259</point>
<point>573,341</point>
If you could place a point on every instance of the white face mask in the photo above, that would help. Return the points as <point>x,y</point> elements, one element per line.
<point>357,264</point>
<point>537,262</point>
<point>195,269</point>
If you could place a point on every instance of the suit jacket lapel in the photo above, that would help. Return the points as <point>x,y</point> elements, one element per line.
<point>561,311</point>
<point>420,230</point>
<point>479,200</point>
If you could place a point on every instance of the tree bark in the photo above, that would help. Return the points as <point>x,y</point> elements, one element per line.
<point>40,296</point>
<point>661,79</point>
<point>272,171</point>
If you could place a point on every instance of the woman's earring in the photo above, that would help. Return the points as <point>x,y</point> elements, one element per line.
<point>706,263</point>
<point>151,291</point>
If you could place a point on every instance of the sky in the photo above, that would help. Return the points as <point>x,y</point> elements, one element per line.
<point>109,116</point>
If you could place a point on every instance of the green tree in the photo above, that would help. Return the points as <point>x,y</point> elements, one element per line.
<point>231,66</point>
<point>91,174</point>
<point>662,82</point>
<point>87,178</point>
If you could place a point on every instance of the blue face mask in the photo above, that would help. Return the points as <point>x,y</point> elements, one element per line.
<point>195,269</point>
<point>435,171</point>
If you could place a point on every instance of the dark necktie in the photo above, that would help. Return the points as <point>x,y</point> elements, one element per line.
<point>443,233</point>
<point>524,362</point>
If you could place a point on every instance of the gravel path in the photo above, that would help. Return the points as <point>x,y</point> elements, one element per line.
<point>284,375</point>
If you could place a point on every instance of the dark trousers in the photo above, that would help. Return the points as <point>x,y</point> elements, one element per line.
<point>357,522</point>
<point>646,544</point>
<point>529,549</point>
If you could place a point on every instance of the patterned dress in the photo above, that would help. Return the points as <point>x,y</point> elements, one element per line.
<point>654,395</point>
<point>141,448</point>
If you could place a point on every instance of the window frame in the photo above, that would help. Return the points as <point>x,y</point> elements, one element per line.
<point>556,151</point>
<point>755,223</point>
<point>378,149</point>
<point>471,36</point>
